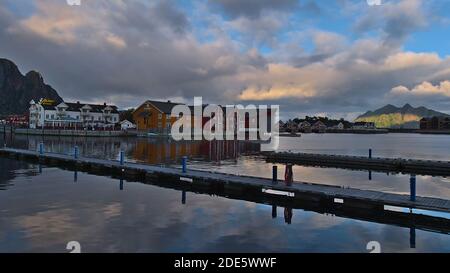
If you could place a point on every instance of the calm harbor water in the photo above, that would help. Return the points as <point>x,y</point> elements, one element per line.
<point>42,211</point>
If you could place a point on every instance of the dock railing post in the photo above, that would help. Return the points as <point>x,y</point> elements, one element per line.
<point>274,174</point>
<point>184,163</point>
<point>370,153</point>
<point>41,148</point>
<point>288,175</point>
<point>412,185</point>
<point>122,157</point>
<point>75,152</point>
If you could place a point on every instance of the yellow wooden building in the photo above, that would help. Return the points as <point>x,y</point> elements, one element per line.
<point>154,116</point>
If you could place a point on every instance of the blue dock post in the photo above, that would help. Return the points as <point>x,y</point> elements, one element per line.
<point>41,148</point>
<point>370,153</point>
<point>75,152</point>
<point>75,176</point>
<point>274,174</point>
<point>183,163</point>
<point>121,184</point>
<point>370,175</point>
<point>412,185</point>
<point>274,211</point>
<point>183,197</point>
<point>122,157</point>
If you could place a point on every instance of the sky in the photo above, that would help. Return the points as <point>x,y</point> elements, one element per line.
<point>336,58</point>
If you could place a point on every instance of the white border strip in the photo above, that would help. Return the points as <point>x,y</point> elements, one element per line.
<point>276,192</point>
<point>186,179</point>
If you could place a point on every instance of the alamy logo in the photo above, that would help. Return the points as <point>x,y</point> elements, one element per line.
<point>230,122</point>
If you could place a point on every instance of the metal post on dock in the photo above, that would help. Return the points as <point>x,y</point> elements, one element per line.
<point>370,153</point>
<point>288,175</point>
<point>274,211</point>
<point>412,185</point>
<point>412,237</point>
<point>183,197</point>
<point>75,152</point>
<point>75,176</point>
<point>121,184</point>
<point>184,163</point>
<point>122,157</point>
<point>274,174</point>
<point>41,148</point>
<point>370,175</point>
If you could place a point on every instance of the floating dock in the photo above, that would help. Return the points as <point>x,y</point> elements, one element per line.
<point>399,165</point>
<point>347,197</point>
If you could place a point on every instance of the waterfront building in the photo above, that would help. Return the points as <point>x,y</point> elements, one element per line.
<point>319,127</point>
<point>435,123</point>
<point>127,125</point>
<point>17,120</point>
<point>155,116</point>
<point>305,127</point>
<point>66,115</point>
<point>361,125</point>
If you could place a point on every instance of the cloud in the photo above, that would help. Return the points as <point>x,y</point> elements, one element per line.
<point>252,8</point>
<point>424,89</point>
<point>124,52</point>
<point>395,20</point>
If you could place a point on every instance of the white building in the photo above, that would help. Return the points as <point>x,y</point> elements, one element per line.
<point>127,125</point>
<point>65,115</point>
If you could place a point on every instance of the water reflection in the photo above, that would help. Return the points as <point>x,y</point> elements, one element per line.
<point>243,158</point>
<point>147,218</point>
<point>147,150</point>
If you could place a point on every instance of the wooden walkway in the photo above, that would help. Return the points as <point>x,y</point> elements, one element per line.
<point>410,166</point>
<point>300,190</point>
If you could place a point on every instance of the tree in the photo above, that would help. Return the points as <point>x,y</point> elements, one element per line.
<point>127,115</point>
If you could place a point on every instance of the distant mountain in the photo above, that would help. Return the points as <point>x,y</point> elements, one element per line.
<point>391,116</point>
<point>17,90</point>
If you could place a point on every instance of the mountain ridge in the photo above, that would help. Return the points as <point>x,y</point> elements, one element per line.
<point>391,116</point>
<point>17,90</point>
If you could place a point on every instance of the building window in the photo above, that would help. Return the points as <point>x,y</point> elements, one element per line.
<point>159,116</point>
<point>159,124</point>
<point>46,116</point>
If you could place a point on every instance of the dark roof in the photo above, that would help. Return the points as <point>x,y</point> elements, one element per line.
<point>96,108</point>
<point>166,106</point>
<point>163,106</point>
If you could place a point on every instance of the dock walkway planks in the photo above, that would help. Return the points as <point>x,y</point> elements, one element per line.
<point>411,166</point>
<point>302,189</point>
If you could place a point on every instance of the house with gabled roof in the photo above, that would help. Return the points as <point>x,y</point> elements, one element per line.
<point>68,115</point>
<point>155,116</point>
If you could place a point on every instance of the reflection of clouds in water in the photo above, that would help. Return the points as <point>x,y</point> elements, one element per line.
<point>146,218</point>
